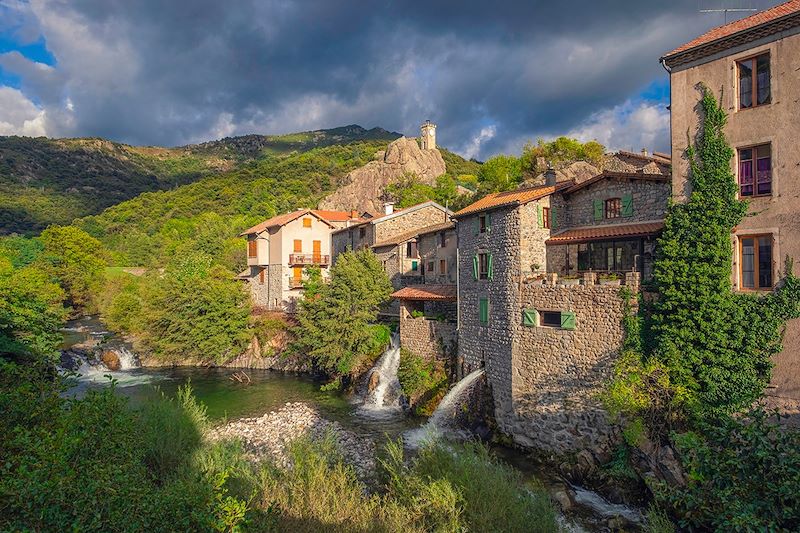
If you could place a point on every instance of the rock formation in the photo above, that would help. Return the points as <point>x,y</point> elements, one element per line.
<point>363,188</point>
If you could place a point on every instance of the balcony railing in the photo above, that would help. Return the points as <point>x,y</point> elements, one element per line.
<point>309,259</point>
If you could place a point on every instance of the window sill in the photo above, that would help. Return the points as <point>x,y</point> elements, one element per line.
<point>759,106</point>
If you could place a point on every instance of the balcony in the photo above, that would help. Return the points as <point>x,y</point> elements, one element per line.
<point>309,259</point>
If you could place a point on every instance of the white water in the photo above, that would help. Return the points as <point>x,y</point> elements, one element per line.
<point>386,394</point>
<point>601,507</point>
<point>439,422</point>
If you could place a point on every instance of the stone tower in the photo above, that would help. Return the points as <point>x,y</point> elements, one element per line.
<point>427,134</point>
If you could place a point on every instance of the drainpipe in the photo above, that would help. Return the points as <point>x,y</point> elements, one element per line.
<point>669,72</point>
<point>458,289</point>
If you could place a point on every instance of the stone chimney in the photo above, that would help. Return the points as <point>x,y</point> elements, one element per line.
<point>388,208</point>
<point>550,176</point>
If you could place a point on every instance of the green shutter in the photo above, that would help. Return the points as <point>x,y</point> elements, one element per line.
<point>627,205</point>
<point>483,310</point>
<point>477,225</point>
<point>475,267</point>
<point>491,267</point>
<point>528,317</point>
<point>598,209</point>
<point>567,320</point>
<point>540,214</point>
<point>414,266</point>
<point>553,218</point>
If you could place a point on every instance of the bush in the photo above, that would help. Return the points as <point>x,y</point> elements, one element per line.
<point>743,474</point>
<point>424,382</point>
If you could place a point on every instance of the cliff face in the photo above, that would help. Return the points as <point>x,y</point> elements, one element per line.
<point>362,188</point>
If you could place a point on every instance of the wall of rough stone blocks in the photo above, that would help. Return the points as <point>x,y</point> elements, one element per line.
<point>426,216</point>
<point>430,250</point>
<point>559,373</point>
<point>532,249</point>
<point>649,201</point>
<point>431,339</point>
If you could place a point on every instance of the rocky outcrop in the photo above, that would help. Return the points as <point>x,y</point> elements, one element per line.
<point>362,189</point>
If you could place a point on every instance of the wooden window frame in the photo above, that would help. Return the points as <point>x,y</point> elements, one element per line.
<point>753,60</point>
<point>442,239</point>
<point>306,222</point>
<point>442,266</point>
<point>612,208</point>
<point>546,217</point>
<point>756,272</point>
<point>412,250</point>
<point>483,223</point>
<point>753,169</point>
<point>483,260</point>
<point>297,246</point>
<point>543,315</point>
<point>252,249</point>
<point>362,232</point>
<point>430,267</point>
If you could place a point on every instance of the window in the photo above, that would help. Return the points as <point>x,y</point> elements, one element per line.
<point>411,250</point>
<point>252,248</point>
<point>550,319</point>
<point>442,239</point>
<point>362,232</point>
<point>546,217</point>
<point>483,223</point>
<point>483,310</point>
<point>442,266</point>
<point>619,256</point>
<point>261,276</point>
<point>483,266</point>
<point>755,171</point>
<point>755,259</point>
<point>414,266</point>
<point>754,85</point>
<point>306,222</point>
<point>613,208</point>
<point>430,267</point>
<point>298,245</point>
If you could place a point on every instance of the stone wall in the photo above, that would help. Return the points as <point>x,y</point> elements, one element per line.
<point>532,249</point>
<point>558,373</point>
<point>431,339</point>
<point>402,222</point>
<point>649,201</point>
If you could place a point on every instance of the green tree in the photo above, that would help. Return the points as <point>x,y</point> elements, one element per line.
<point>77,261</point>
<point>21,251</point>
<point>31,312</point>
<point>195,311</point>
<point>409,190</point>
<point>500,173</point>
<point>337,325</point>
<point>560,150</point>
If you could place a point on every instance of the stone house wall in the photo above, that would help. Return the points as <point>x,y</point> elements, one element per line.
<point>649,201</point>
<point>430,250</point>
<point>558,373</point>
<point>403,222</point>
<point>532,249</point>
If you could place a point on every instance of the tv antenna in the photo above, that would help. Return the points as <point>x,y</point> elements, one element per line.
<point>725,10</point>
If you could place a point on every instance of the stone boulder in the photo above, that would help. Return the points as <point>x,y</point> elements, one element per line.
<point>363,188</point>
<point>111,360</point>
<point>374,380</point>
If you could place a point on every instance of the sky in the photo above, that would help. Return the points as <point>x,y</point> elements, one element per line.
<point>491,75</point>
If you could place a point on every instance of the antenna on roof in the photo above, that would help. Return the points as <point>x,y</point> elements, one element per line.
<point>726,10</point>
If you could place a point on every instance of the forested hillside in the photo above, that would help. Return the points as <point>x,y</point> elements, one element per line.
<point>54,181</point>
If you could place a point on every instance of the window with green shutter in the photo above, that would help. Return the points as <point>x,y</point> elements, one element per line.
<point>598,209</point>
<point>488,222</point>
<point>627,205</point>
<point>567,320</point>
<point>553,218</point>
<point>483,310</point>
<point>528,317</point>
<point>475,267</point>
<point>491,268</point>
<point>539,213</point>
<point>414,266</point>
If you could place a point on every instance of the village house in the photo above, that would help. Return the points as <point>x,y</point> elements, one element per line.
<point>428,308</point>
<point>393,238</point>
<point>281,248</point>
<point>533,311</point>
<point>751,66</point>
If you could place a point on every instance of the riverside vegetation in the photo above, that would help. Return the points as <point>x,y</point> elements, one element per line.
<point>698,356</point>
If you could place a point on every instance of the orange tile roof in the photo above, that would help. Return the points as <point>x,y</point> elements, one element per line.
<point>733,28</point>
<point>610,231</point>
<point>447,293</point>
<point>516,197</point>
<point>280,220</point>
<point>334,216</point>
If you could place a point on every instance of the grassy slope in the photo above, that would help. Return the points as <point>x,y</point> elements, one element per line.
<point>54,181</point>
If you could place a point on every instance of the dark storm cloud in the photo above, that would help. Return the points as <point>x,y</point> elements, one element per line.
<point>155,72</point>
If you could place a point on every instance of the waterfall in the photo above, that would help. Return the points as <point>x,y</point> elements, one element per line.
<point>386,392</point>
<point>439,421</point>
<point>127,359</point>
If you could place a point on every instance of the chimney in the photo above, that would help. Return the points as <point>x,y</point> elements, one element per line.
<point>644,152</point>
<point>353,214</point>
<point>550,176</point>
<point>388,208</point>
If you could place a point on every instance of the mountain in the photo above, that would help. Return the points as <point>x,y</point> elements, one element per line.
<point>54,181</point>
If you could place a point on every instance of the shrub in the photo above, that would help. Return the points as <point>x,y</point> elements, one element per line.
<point>743,474</point>
<point>423,381</point>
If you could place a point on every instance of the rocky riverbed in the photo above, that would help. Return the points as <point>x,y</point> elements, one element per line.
<point>267,436</point>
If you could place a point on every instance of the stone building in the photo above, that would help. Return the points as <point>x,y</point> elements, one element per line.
<point>393,238</point>
<point>547,342</point>
<point>280,249</point>
<point>427,308</point>
<point>752,67</point>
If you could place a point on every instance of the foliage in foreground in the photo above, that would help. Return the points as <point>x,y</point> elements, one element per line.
<point>93,464</point>
<point>423,382</point>
<point>336,320</point>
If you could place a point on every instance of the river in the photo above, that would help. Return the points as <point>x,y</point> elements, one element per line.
<point>227,399</point>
